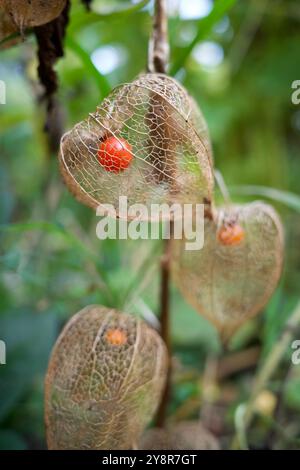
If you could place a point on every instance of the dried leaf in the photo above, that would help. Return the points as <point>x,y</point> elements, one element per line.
<point>29,13</point>
<point>7,29</point>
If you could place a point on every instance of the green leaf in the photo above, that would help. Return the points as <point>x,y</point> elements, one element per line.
<point>10,119</point>
<point>205,26</point>
<point>54,229</point>
<point>276,315</point>
<point>291,200</point>
<point>80,20</point>
<point>72,240</point>
<point>29,338</point>
<point>10,440</point>
<point>292,395</point>
<point>100,80</point>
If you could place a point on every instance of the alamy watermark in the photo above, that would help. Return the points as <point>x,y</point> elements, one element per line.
<point>296,354</point>
<point>2,92</point>
<point>2,353</point>
<point>296,93</point>
<point>132,222</point>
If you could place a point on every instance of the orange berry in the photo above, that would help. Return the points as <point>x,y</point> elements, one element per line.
<point>231,235</point>
<point>115,154</point>
<point>116,337</point>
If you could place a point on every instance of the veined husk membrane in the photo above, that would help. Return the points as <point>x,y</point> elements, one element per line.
<point>170,147</point>
<point>230,283</point>
<point>104,381</point>
<point>29,13</point>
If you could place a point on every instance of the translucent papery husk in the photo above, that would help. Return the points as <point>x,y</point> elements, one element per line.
<point>104,381</point>
<point>30,13</point>
<point>187,435</point>
<point>229,284</point>
<point>185,104</point>
<point>171,163</point>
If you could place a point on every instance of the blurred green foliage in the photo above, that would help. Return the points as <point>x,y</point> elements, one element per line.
<point>239,63</point>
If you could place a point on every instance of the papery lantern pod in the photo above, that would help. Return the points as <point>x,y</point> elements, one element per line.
<point>30,13</point>
<point>233,276</point>
<point>186,435</point>
<point>104,381</point>
<point>170,164</point>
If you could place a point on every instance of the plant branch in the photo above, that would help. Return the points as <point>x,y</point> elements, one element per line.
<point>158,57</point>
<point>159,49</point>
<point>165,322</point>
<point>50,40</point>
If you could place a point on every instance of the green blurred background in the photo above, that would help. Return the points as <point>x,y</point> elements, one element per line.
<point>240,67</point>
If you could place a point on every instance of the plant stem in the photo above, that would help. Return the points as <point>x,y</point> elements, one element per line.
<point>165,323</point>
<point>159,49</point>
<point>158,58</point>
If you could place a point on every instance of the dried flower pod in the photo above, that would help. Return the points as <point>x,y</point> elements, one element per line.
<point>187,435</point>
<point>104,381</point>
<point>29,13</point>
<point>233,276</point>
<point>153,116</point>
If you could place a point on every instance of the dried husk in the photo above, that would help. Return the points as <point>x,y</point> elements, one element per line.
<point>171,162</point>
<point>100,395</point>
<point>7,29</point>
<point>230,284</point>
<point>29,13</point>
<point>187,435</point>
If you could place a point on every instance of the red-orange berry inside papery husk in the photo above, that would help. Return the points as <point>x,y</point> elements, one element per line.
<point>115,154</point>
<point>116,337</point>
<point>231,235</point>
<point>235,273</point>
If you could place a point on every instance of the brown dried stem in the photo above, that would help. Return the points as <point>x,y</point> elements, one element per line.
<point>165,323</point>
<point>50,38</point>
<point>157,63</point>
<point>158,44</point>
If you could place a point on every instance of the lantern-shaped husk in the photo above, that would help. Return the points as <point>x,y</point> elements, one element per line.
<point>104,381</point>
<point>230,281</point>
<point>171,162</point>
